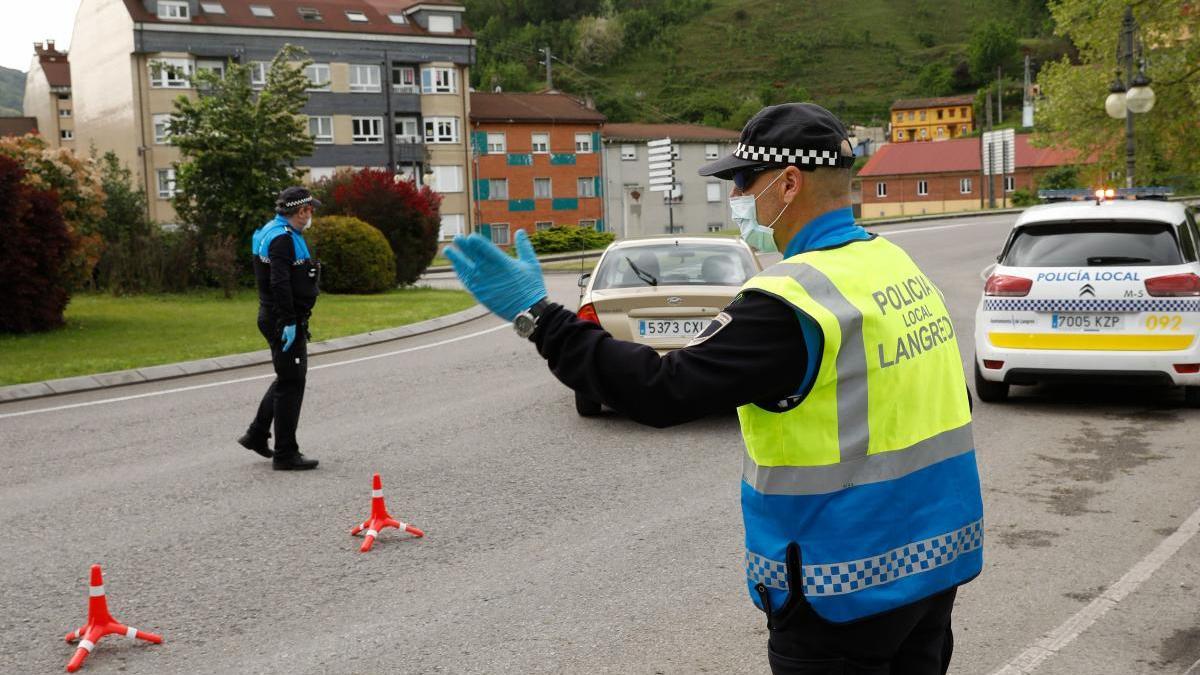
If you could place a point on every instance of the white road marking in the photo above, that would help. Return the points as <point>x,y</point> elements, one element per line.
<point>932,229</point>
<point>1054,641</point>
<point>179,390</point>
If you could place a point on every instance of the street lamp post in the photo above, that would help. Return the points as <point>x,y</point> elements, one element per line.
<point>1139,97</point>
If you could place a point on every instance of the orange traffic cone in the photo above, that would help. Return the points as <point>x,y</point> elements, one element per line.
<point>380,519</point>
<point>100,623</point>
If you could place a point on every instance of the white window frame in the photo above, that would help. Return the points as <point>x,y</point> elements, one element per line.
<point>586,186</point>
<point>163,136</point>
<point>583,143</point>
<point>549,192</point>
<point>712,151</point>
<point>715,227</point>
<point>628,152</point>
<point>540,148</point>
<point>398,19</point>
<point>212,8</point>
<point>493,192</point>
<point>324,123</point>
<point>1010,183</point>
<point>409,87</point>
<point>165,79</point>
<point>589,223</point>
<point>171,189</point>
<point>366,130</point>
<point>542,225</point>
<point>435,133</point>
<point>262,11</point>
<point>922,188</point>
<point>456,226</point>
<point>505,228</point>
<point>964,186</point>
<point>64,112</point>
<point>258,73</point>
<point>410,128</point>
<point>66,134</point>
<point>497,143</point>
<point>319,173</point>
<point>212,65</point>
<point>441,23</point>
<point>881,189</point>
<point>364,78</point>
<point>712,192</point>
<point>355,16</point>
<point>318,75</point>
<point>448,178</point>
<point>174,10</point>
<point>440,80</point>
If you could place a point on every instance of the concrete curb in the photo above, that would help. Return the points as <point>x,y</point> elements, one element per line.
<point>20,392</point>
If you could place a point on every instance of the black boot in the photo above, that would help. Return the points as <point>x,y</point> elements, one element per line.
<point>293,461</point>
<point>257,443</point>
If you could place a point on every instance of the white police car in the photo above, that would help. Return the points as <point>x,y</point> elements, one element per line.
<point>1093,290</point>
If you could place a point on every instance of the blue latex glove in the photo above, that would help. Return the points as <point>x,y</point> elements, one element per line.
<point>289,336</point>
<point>505,286</point>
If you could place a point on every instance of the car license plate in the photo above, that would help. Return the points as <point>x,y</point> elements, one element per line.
<point>1087,322</point>
<point>671,328</point>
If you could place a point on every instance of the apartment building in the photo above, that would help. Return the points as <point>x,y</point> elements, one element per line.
<point>389,81</point>
<point>698,204</point>
<point>537,163</point>
<point>932,119</point>
<point>48,95</point>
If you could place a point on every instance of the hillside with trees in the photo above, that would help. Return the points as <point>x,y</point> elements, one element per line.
<point>12,92</point>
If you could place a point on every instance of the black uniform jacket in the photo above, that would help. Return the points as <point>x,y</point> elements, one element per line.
<point>287,292</point>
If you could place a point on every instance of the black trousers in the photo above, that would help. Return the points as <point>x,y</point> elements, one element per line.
<point>912,640</point>
<point>281,404</point>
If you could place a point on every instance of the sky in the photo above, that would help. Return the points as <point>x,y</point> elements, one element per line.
<point>24,21</point>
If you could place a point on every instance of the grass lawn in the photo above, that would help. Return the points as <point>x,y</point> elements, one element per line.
<point>105,333</point>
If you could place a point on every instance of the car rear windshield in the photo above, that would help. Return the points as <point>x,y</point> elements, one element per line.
<point>674,265</point>
<point>1093,244</point>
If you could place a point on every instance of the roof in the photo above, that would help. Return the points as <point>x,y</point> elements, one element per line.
<point>676,132</point>
<point>914,103</point>
<point>1132,209</point>
<point>332,12</point>
<point>17,126</point>
<point>519,107</point>
<point>954,156</point>
<point>54,64</point>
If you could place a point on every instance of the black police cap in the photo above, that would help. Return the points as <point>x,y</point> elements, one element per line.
<point>292,198</point>
<point>804,135</point>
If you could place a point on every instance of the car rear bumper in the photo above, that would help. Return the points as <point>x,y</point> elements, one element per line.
<point>1031,366</point>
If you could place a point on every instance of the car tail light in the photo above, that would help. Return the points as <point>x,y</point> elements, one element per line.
<point>992,365</point>
<point>1174,285</point>
<point>588,313</point>
<point>1004,285</point>
<point>1187,368</point>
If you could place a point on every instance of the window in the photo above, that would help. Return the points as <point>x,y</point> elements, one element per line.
<point>705,264</point>
<point>166,183</point>
<point>212,8</point>
<point>713,192</point>
<point>64,112</point>
<point>941,131</point>
<point>963,111</point>
<point>711,151</point>
<point>495,143</point>
<point>498,188</point>
<point>899,116</point>
<point>404,80</point>
<point>962,129</point>
<point>318,76</point>
<point>406,129</point>
<point>320,173</point>
<point>1082,244</point>
<point>262,11</point>
<point>439,81</point>
<point>441,23</point>
<point>170,73</point>
<point>366,129</point>
<point>964,186</point>
<point>900,135</point>
<point>588,224</point>
<point>542,188</point>
<point>541,143</point>
<point>542,225</point>
<point>398,19</point>
<point>364,78</point>
<point>216,66</point>
<point>952,111</point>
<point>441,129</point>
<point>451,225</point>
<point>66,135</point>
<point>587,187</point>
<point>922,188</point>
<point>911,116</point>
<point>162,129</point>
<point>629,152</point>
<point>939,112</point>
<point>448,178</point>
<point>321,129</point>
<point>583,143</point>
<point>1010,183</point>
<point>258,73</point>
<point>922,116</point>
<point>924,132</point>
<point>356,16</point>
<point>674,229</point>
<point>309,13</point>
<point>881,189</point>
<point>499,233</point>
<point>172,10</point>
<point>714,227</point>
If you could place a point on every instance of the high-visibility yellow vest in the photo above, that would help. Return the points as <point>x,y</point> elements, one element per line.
<point>871,472</point>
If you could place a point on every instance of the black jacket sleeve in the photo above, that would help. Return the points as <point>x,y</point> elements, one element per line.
<point>759,356</point>
<point>282,253</point>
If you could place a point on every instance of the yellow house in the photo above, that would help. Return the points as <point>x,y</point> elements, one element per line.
<point>932,119</point>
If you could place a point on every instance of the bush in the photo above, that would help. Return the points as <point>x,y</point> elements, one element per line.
<point>1024,197</point>
<point>567,238</point>
<point>36,252</point>
<point>355,257</point>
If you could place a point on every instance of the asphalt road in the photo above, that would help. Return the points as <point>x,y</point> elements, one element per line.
<point>554,543</point>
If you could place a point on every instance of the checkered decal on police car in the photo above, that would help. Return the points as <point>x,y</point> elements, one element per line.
<point>856,575</point>
<point>760,153</point>
<point>1026,305</point>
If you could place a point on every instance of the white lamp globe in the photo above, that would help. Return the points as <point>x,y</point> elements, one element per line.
<point>1114,105</point>
<point>1140,99</point>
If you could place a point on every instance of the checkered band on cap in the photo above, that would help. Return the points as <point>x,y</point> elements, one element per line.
<point>298,202</point>
<point>761,153</point>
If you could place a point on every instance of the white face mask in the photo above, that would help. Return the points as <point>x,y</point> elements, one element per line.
<point>745,215</point>
<point>307,223</point>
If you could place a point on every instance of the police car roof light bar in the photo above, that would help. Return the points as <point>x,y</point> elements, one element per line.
<point>1081,194</point>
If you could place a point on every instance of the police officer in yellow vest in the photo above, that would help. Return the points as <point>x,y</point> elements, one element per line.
<point>860,493</point>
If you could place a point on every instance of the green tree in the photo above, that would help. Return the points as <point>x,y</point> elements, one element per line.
<point>239,146</point>
<point>1060,178</point>
<point>1073,110</point>
<point>936,79</point>
<point>124,206</point>
<point>993,44</point>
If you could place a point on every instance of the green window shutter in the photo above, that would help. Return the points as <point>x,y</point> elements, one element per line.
<point>599,187</point>
<point>599,224</point>
<point>519,159</point>
<point>562,158</point>
<point>565,204</point>
<point>482,188</point>
<point>484,229</point>
<point>479,142</point>
<point>596,146</point>
<point>520,205</point>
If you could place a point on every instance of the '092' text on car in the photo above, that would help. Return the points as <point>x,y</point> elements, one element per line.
<point>662,291</point>
<point>1103,290</point>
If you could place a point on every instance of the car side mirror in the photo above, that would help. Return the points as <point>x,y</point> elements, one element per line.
<point>987,272</point>
<point>583,279</point>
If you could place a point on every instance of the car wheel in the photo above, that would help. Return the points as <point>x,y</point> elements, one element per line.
<point>988,391</point>
<point>585,406</point>
<point>1191,397</point>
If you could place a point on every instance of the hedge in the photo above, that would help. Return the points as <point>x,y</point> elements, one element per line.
<point>355,257</point>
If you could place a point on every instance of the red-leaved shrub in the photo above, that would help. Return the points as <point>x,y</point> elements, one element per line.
<point>35,250</point>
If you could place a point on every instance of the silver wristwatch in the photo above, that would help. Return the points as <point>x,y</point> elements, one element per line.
<point>526,322</point>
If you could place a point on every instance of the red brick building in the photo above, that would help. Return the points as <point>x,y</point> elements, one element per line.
<point>538,163</point>
<point>904,179</point>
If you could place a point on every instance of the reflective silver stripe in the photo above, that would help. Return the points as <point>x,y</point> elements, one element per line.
<point>851,364</point>
<point>883,466</point>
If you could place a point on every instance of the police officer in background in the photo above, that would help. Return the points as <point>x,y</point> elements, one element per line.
<point>287,277</point>
<point>860,493</point>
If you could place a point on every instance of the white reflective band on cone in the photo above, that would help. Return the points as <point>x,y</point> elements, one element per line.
<point>372,533</point>
<point>130,632</point>
<point>96,591</point>
<point>375,494</point>
<point>86,644</point>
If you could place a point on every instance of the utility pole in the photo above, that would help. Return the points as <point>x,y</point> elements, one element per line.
<point>549,79</point>
<point>991,195</point>
<point>999,96</point>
